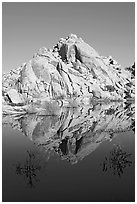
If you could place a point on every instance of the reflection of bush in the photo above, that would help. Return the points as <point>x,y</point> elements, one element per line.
<point>117,160</point>
<point>29,169</point>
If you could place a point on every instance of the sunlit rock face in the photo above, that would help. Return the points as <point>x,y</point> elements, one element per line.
<point>72,70</point>
<point>75,132</point>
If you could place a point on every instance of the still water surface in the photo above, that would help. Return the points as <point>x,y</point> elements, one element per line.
<point>83,154</point>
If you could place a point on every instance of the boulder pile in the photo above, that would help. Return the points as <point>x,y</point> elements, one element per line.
<point>71,71</point>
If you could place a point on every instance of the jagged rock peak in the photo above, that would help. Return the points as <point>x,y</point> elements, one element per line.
<point>71,38</point>
<point>71,70</point>
<point>73,45</point>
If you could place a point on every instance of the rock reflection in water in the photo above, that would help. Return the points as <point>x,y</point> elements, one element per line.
<point>117,160</point>
<point>75,132</point>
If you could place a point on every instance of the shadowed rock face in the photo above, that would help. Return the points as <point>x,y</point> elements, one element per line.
<point>75,132</point>
<point>71,70</point>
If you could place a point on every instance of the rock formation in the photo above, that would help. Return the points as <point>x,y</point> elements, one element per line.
<point>75,132</point>
<point>71,72</point>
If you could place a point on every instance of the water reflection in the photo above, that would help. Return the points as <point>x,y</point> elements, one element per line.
<point>75,132</point>
<point>117,160</point>
<point>30,168</point>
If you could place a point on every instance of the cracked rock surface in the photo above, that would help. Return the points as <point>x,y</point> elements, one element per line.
<point>71,71</point>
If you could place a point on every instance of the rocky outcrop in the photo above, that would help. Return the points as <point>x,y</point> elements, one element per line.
<point>75,132</point>
<point>132,70</point>
<point>130,87</point>
<point>72,70</point>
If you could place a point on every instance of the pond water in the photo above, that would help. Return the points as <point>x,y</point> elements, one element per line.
<point>83,154</point>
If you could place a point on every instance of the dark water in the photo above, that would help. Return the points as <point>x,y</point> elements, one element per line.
<point>83,154</point>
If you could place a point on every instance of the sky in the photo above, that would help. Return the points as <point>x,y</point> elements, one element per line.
<point>109,27</point>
